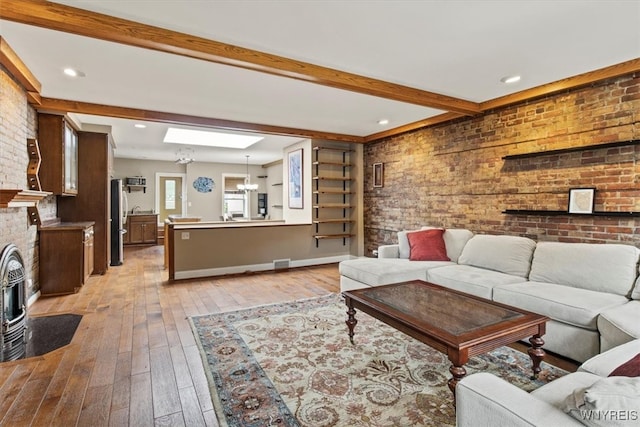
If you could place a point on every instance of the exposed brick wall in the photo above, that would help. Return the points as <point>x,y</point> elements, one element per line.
<point>18,123</point>
<point>454,174</point>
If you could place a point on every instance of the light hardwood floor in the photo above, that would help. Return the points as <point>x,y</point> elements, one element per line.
<point>133,360</point>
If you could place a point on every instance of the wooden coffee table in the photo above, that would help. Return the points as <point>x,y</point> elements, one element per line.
<point>457,324</point>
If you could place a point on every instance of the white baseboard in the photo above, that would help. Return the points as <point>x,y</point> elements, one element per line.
<point>209,272</point>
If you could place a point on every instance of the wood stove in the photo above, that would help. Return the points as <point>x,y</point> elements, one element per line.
<point>13,319</point>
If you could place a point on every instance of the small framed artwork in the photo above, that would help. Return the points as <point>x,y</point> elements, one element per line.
<point>295,179</point>
<point>581,200</point>
<point>378,175</point>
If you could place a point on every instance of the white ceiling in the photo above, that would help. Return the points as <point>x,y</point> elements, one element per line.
<point>456,48</point>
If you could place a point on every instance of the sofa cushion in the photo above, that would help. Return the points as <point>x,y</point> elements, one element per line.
<point>577,307</point>
<point>389,251</point>
<point>454,238</point>
<point>376,271</point>
<point>619,325</point>
<point>605,363</point>
<point>506,254</point>
<point>608,268</point>
<point>469,279</point>
<point>427,245</point>
<point>403,244</point>
<point>483,399</point>
<point>556,392</point>
<point>612,401</point>
<point>567,340</point>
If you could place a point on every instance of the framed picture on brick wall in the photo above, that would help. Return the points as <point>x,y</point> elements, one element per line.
<point>378,175</point>
<point>581,200</point>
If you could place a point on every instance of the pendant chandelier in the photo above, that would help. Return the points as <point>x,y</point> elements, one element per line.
<point>247,186</point>
<point>185,156</point>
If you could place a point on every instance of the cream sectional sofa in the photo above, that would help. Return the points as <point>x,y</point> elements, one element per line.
<point>589,396</point>
<point>587,290</point>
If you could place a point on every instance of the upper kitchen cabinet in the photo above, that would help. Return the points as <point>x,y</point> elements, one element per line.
<point>59,151</point>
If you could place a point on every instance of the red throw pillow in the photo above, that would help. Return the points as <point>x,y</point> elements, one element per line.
<point>631,368</point>
<point>427,245</point>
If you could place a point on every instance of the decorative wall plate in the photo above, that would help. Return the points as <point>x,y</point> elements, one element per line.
<point>203,184</point>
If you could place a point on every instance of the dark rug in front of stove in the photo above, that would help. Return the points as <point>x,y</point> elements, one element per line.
<point>48,333</point>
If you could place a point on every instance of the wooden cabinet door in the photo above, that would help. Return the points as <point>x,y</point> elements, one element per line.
<point>135,232</point>
<point>70,170</point>
<point>62,260</point>
<point>58,143</point>
<point>150,232</point>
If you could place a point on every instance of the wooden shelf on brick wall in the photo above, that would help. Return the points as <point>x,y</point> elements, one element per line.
<point>21,198</point>
<point>572,149</point>
<point>565,213</point>
<point>33,168</point>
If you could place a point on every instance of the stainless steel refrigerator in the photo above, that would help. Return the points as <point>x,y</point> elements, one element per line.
<point>119,208</point>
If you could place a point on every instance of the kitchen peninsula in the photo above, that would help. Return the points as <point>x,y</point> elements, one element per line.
<point>213,248</point>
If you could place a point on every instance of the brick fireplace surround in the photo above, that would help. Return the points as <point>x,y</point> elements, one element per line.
<point>454,174</point>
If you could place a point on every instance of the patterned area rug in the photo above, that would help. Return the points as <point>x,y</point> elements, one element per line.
<point>291,364</point>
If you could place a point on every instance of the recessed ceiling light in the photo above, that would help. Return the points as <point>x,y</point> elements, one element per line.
<point>510,79</point>
<point>209,138</point>
<point>140,126</point>
<point>72,72</point>
<point>383,121</point>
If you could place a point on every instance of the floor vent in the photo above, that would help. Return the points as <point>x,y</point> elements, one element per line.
<point>279,264</point>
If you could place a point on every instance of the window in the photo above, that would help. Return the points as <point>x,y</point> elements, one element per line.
<point>169,194</point>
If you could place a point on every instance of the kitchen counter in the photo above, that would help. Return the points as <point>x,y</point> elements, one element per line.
<point>140,212</point>
<point>79,225</point>
<point>184,218</point>
<point>230,224</point>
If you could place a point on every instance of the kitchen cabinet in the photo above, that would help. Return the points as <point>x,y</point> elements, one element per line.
<point>141,230</point>
<point>58,142</point>
<point>92,202</point>
<point>66,257</point>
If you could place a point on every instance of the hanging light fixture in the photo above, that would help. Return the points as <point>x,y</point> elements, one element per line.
<point>247,186</point>
<point>185,156</point>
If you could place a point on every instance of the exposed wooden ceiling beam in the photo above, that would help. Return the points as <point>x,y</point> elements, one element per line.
<point>10,60</point>
<point>90,24</point>
<point>617,70</point>
<point>64,106</point>
<point>584,79</point>
<point>441,118</point>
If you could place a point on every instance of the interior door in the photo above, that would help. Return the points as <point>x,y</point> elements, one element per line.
<point>170,196</point>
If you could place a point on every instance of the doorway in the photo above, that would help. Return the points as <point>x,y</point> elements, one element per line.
<point>170,191</point>
<point>235,203</point>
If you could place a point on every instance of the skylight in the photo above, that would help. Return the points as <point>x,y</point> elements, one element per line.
<point>209,138</point>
